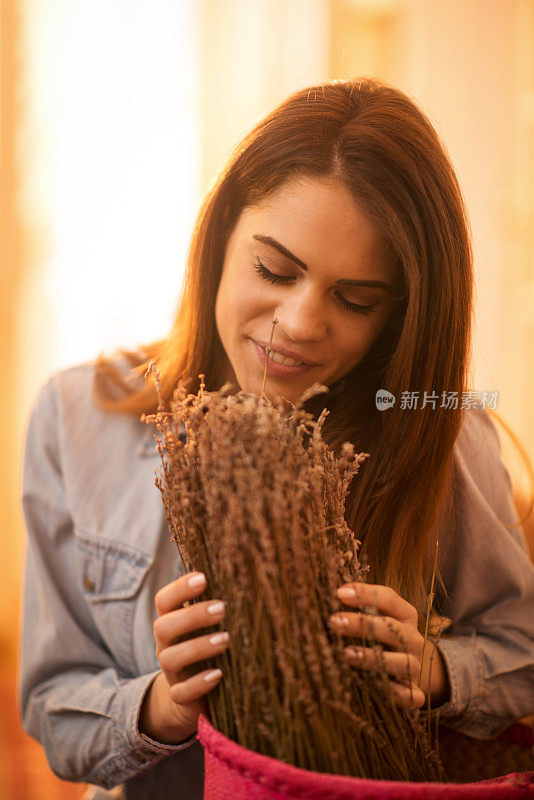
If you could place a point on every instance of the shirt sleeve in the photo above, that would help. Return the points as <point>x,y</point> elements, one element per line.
<point>72,697</point>
<point>488,649</point>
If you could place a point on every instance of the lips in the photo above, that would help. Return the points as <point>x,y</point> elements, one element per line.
<point>289,353</point>
<point>277,370</point>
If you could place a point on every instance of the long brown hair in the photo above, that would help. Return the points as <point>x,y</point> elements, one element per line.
<point>375,140</point>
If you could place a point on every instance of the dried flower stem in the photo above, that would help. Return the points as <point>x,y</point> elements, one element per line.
<point>268,351</point>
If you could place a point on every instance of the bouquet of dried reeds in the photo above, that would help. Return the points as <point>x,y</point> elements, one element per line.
<point>255,499</point>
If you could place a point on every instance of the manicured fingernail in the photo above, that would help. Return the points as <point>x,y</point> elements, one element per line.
<point>346,591</point>
<point>196,580</point>
<point>342,622</point>
<point>213,675</point>
<point>219,638</point>
<point>353,653</point>
<point>216,608</point>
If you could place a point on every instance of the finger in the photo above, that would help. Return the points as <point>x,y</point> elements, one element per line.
<point>375,596</point>
<point>408,696</point>
<point>399,665</point>
<point>195,687</point>
<point>175,594</point>
<point>170,627</point>
<point>385,630</point>
<point>175,659</point>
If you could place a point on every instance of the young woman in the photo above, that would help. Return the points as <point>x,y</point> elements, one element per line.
<point>339,215</point>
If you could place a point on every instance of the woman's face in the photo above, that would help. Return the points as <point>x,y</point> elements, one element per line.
<point>307,256</point>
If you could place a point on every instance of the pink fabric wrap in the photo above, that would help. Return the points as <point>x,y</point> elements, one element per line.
<point>234,773</point>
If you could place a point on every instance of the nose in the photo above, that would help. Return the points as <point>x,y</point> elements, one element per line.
<point>302,317</point>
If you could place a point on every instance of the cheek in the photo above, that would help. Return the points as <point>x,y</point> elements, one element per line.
<point>239,299</point>
<point>227,300</point>
<point>355,344</point>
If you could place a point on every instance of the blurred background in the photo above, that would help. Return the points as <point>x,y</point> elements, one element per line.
<point>116,117</point>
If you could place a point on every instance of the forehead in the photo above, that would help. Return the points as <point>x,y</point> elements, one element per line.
<point>319,221</point>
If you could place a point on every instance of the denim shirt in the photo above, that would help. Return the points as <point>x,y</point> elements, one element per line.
<point>98,550</point>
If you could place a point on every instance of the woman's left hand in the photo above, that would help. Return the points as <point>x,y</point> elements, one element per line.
<point>394,625</point>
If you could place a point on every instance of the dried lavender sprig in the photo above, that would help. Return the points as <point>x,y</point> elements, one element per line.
<point>268,352</point>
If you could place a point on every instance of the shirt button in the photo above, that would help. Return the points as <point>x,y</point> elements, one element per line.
<point>89,584</point>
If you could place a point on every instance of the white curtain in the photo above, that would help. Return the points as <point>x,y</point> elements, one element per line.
<point>111,165</point>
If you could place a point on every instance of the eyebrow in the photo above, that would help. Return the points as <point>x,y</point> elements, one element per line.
<point>344,281</point>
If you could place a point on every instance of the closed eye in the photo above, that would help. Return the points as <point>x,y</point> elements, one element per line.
<point>285,280</point>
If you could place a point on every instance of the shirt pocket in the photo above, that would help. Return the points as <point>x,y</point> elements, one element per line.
<point>111,576</point>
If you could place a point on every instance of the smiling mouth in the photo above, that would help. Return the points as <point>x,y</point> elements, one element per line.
<point>278,358</point>
<point>284,360</point>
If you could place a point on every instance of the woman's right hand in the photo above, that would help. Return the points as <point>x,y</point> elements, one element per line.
<point>171,707</point>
